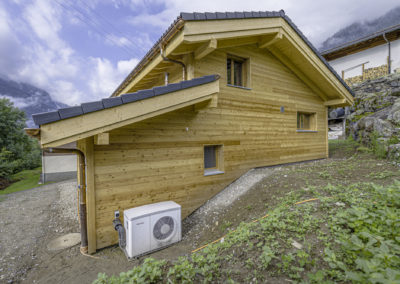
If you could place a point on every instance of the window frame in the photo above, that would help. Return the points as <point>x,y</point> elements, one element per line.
<point>245,71</point>
<point>312,116</point>
<point>219,160</point>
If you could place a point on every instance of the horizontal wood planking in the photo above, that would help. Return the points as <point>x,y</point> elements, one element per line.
<point>162,158</point>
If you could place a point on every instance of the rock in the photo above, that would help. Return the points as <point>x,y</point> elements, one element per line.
<point>297,245</point>
<point>376,111</point>
<point>394,152</point>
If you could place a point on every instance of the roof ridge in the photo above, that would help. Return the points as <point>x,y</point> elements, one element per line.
<point>192,16</point>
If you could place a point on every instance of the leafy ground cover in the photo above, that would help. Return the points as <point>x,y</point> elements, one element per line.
<point>23,180</point>
<point>347,231</point>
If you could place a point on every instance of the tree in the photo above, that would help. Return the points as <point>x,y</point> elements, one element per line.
<point>17,150</point>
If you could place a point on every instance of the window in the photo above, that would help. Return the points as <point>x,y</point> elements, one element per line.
<point>306,121</point>
<point>213,160</point>
<point>237,71</point>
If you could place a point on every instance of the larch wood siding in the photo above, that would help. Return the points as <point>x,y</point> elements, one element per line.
<point>162,158</point>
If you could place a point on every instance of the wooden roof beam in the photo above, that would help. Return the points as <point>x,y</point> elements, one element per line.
<point>205,49</point>
<point>268,41</point>
<point>338,102</point>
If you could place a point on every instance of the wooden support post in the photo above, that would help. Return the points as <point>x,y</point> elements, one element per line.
<point>189,62</point>
<point>363,71</point>
<point>87,147</point>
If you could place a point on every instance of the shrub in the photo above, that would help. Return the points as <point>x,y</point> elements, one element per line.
<point>18,150</point>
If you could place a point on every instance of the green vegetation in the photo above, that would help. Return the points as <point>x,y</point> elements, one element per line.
<point>377,147</point>
<point>358,117</point>
<point>225,226</point>
<point>17,150</point>
<point>24,180</point>
<point>351,233</point>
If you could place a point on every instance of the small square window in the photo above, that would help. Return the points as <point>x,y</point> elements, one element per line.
<point>305,121</point>
<point>213,160</point>
<point>237,71</point>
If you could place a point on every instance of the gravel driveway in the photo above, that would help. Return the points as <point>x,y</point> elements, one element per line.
<point>28,220</point>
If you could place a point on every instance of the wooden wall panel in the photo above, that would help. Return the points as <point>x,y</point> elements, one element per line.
<point>162,158</point>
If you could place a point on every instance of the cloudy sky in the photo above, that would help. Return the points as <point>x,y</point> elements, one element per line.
<point>80,50</point>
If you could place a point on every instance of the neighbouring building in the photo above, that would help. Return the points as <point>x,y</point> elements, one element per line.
<point>59,166</point>
<point>217,95</point>
<point>368,57</point>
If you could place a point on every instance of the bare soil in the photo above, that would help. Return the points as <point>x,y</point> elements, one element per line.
<point>31,218</point>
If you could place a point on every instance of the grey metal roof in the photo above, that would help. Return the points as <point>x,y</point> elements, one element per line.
<point>64,113</point>
<point>361,39</point>
<point>261,14</point>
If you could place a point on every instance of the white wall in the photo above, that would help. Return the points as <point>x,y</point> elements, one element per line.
<point>59,164</point>
<point>376,56</point>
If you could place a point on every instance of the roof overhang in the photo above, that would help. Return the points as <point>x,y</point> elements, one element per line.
<point>73,129</point>
<point>363,43</point>
<point>276,35</point>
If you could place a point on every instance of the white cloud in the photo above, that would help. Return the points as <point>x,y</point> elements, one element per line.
<point>51,63</point>
<point>105,76</point>
<point>316,19</point>
<point>18,102</point>
<point>34,49</point>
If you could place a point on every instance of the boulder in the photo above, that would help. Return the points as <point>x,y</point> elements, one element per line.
<point>394,114</point>
<point>394,152</point>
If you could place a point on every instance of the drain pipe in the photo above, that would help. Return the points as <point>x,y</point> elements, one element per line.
<point>389,55</point>
<point>82,191</point>
<point>120,229</point>
<point>174,61</point>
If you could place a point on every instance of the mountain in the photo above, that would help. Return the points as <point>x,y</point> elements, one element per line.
<point>359,29</point>
<point>28,98</point>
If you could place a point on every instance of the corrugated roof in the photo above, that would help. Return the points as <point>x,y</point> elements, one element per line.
<point>207,16</point>
<point>64,113</point>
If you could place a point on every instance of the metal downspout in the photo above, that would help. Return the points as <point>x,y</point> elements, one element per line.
<point>389,55</point>
<point>174,61</point>
<point>82,192</point>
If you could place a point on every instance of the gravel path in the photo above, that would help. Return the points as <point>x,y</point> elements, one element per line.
<point>28,219</point>
<point>208,214</point>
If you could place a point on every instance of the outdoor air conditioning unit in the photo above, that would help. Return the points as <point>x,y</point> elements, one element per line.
<point>152,227</point>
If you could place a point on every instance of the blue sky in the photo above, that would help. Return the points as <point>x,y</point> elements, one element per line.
<point>80,50</point>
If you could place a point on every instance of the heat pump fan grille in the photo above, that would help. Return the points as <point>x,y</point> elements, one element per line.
<point>163,228</point>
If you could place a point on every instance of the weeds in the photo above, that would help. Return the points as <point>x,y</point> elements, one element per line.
<point>378,147</point>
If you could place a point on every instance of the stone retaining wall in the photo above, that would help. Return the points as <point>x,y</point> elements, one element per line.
<point>376,113</point>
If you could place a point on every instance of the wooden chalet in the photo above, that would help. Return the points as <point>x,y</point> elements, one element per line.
<point>243,90</point>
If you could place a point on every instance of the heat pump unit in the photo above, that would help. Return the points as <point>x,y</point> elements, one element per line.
<point>152,227</point>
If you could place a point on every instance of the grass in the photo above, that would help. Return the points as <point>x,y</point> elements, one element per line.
<point>26,179</point>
